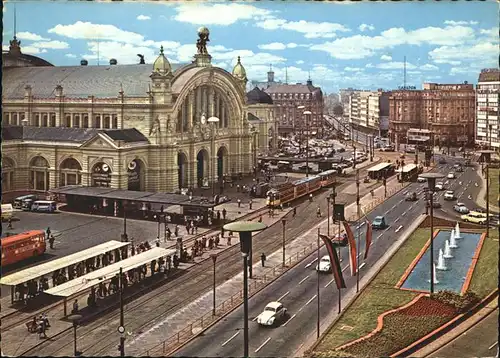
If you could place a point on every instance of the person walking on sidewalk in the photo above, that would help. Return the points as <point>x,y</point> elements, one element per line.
<point>318,212</point>
<point>10,222</point>
<point>263,259</point>
<point>51,241</point>
<point>310,197</point>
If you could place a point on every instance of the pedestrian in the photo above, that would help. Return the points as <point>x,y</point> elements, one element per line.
<point>224,213</point>
<point>294,211</point>
<point>263,259</point>
<point>229,241</point>
<point>310,197</point>
<point>176,230</point>
<point>48,231</point>
<point>10,223</point>
<point>51,241</point>
<point>260,218</point>
<point>318,212</point>
<point>157,242</point>
<point>75,307</point>
<point>222,231</point>
<point>239,203</point>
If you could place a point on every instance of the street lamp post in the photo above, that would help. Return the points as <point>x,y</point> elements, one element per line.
<point>317,287</point>
<point>212,120</point>
<point>306,113</point>
<point>75,318</point>
<point>283,221</point>
<point>328,216</point>
<point>358,205</point>
<point>431,181</point>
<point>214,260</point>
<point>121,328</point>
<point>124,235</point>
<point>485,157</point>
<point>245,228</point>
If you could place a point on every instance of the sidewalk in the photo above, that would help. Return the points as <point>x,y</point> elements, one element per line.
<point>454,333</point>
<point>139,344</point>
<point>480,200</point>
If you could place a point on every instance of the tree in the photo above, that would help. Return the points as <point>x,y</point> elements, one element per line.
<point>338,110</point>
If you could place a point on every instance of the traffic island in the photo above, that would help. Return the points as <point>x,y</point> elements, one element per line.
<point>384,319</point>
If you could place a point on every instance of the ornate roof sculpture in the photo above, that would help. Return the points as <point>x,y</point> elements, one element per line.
<point>161,64</point>
<point>239,71</point>
<point>15,58</point>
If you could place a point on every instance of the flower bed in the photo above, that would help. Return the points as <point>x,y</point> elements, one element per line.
<point>403,327</point>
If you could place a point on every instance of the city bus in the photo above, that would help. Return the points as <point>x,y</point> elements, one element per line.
<point>18,202</point>
<point>22,246</point>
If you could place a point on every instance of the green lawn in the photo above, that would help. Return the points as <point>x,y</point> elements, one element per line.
<point>378,297</point>
<point>494,185</point>
<point>485,276</point>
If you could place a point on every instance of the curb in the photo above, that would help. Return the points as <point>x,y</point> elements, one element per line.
<point>350,303</point>
<point>437,333</point>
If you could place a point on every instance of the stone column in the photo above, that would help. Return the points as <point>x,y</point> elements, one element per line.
<point>71,122</point>
<point>198,108</point>
<point>211,101</point>
<point>191,103</point>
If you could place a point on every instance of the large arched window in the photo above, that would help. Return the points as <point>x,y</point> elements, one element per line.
<point>39,173</point>
<point>70,173</point>
<point>8,167</point>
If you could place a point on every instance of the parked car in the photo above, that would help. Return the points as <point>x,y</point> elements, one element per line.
<point>450,175</point>
<point>449,195</point>
<point>440,185</point>
<point>324,264</point>
<point>273,313</point>
<point>461,208</point>
<point>411,196</point>
<point>379,223</point>
<point>473,217</point>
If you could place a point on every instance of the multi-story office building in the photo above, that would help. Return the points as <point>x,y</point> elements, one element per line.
<point>368,111</point>
<point>487,96</point>
<point>447,110</point>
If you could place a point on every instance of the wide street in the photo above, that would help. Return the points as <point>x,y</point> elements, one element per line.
<point>297,288</point>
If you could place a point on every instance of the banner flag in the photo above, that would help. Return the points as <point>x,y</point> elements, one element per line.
<point>335,262</point>
<point>369,233</point>
<point>352,248</point>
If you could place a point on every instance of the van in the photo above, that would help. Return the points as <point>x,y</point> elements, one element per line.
<point>45,206</point>
<point>7,212</point>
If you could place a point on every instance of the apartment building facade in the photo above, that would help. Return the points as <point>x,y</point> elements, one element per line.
<point>368,111</point>
<point>487,119</point>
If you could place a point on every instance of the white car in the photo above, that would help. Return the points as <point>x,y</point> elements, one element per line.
<point>324,264</point>
<point>450,175</point>
<point>421,180</point>
<point>460,208</point>
<point>449,195</point>
<point>273,313</point>
<point>439,186</point>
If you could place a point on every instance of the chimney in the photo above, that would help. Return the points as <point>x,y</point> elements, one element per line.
<point>113,62</point>
<point>27,91</point>
<point>59,91</point>
<point>84,62</point>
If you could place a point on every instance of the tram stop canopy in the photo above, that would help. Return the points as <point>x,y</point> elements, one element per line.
<point>93,278</point>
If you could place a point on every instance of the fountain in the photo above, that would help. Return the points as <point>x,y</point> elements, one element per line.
<point>435,276</point>
<point>457,231</point>
<point>453,242</point>
<point>441,263</point>
<point>447,250</point>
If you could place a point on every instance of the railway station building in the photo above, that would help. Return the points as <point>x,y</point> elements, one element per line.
<point>142,127</point>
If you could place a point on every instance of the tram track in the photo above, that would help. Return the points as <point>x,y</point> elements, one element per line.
<point>94,337</point>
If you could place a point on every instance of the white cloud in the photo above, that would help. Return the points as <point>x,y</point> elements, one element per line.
<point>482,53</point>
<point>30,36</point>
<point>395,66</point>
<point>278,46</point>
<point>310,29</point>
<point>90,31</point>
<point>386,58</point>
<point>364,27</point>
<point>429,67</point>
<point>299,62</point>
<point>143,17</point>
<point>55,45</point>
<point>31,50</point>
<point>455,23</point>
<point>218,14</point>
<point>5,47</point>
<point>125,53</point>
<point>361,46</point>
<point>353,69</point>
<point>70,55</point>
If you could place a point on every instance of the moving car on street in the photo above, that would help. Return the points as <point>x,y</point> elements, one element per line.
<point>475,218</point>
<point>411,196</point>
<point>421,180</point>
<point>324,264</point>
<point>379,223</point>
<point>461,208</point>
<point>273,313</point>
<point>440,185</point>
<point>340,239</point>
<point>449,195</point>
<point>450,175</point>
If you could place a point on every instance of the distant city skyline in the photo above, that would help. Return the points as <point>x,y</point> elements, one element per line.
<point>358,45</point>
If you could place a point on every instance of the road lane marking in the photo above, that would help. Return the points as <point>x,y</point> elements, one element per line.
<point>399,228</point>
<point>313,261</point>
<point>329,283</point>
<point>404,213</point>
<point>312,299</point>
<point>255,319</point>
<point>263,344</point>
<point>305,278</point>
<point>284,324</point>
<point>279,299</point>
<point>493,345</point>
<point>363,264</point>
<point>397,219</point>
<point>234,335</point>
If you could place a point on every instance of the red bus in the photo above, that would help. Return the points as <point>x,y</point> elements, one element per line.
<point>19,247</point>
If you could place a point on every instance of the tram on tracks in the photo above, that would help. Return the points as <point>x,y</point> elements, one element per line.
<point>297,189</point>
<point>23,246</point>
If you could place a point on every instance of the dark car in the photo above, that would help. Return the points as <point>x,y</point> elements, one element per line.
<point>340,240</point>
<point>379,223</point>
<point>435,204</point>
<point>442,161</point>
<point>411,196</point>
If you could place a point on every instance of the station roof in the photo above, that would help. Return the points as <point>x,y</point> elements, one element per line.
<point>93,278</point>
<point>141,196</point>
<point>335,159</point>
<point>46,268</point>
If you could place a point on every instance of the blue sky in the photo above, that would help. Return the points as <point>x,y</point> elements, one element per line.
<point>360,45</point>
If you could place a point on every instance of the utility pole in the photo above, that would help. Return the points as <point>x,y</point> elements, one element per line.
<point>358,204</point>
<point>121,328</point>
